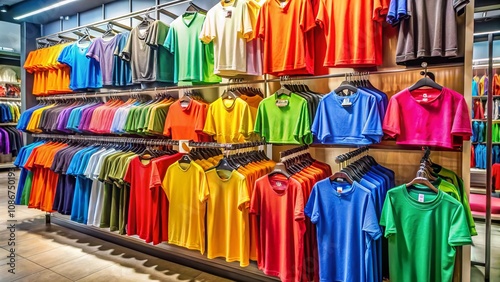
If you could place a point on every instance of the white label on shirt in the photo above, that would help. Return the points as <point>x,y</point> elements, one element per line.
<point>281,103</point>
<point>339,190</point>
<point>421,198</point>
<point>278,184</point>
<point>425,99</point>
<point>346,102</point>
<point>283,4</point>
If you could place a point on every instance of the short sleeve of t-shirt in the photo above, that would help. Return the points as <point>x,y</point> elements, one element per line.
<point>391,123</point>
<point>387,218</point>
<point>461,123</point>
<point>311,209</point>
<point>208,31</point>
<point>370,221</point>
<point>66,57</point>
<point>459,230</point>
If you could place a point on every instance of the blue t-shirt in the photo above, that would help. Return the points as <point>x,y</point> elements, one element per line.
<point>397,12</point>
<point>355,124</point>
<point>122,73</point>
<point>25,117</point>
<point>475,88</point>
<point>346,227</point>
<point>85,72</point>
<point>22,158</point>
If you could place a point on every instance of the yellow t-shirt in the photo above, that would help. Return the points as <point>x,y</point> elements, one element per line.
<point>481,85</point>
<point>187,191</point>
<point>228,230</point>
<point>229,121</point>
<point>35,119</point>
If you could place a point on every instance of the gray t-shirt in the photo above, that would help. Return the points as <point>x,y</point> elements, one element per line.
<point>102,51</point>
<point>149,60</point>
<point>430,30</point>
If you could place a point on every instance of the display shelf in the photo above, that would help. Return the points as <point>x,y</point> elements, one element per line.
<point>7,165</point>
<point>485,97</point>
<point>8,82</point>
<point>478,170</point>
<point>8,124</point>
<point>493,143</point>
<point>10,99</point>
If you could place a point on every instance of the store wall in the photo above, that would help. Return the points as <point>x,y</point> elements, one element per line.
<point>11,36</point>
<point>481,50</point>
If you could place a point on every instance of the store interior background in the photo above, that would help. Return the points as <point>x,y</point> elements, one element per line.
<point>21,38</point>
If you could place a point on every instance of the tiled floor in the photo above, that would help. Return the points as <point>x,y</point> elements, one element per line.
<point>56,254</point>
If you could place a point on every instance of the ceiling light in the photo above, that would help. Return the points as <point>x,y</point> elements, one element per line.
<point>4,8</point>
<point>58,4</point>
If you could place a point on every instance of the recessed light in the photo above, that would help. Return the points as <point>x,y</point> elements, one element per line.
<point>58,4</point>
<point>4,8</point>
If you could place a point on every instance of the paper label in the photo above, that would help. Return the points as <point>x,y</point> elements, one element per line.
<point>425,97</point>
<point>421,198</point>
<point>281,103</point>
<point>346,102</point>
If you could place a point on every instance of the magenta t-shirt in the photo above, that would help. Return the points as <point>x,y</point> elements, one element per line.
<point>428,117</point>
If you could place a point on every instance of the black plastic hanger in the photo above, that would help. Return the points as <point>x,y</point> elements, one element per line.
<point>426,81</point>
<point>280,168</point>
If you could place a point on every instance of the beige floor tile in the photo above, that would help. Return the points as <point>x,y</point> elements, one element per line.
<point>23,268</point>
<point>4,252</point>
<point>34,246</point>
<point>81,267</point>
<point>120,273</point>
<point>44,276</point>
<point>57,256</point>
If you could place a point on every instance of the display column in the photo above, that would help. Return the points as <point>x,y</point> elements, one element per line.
<point>29,33</point>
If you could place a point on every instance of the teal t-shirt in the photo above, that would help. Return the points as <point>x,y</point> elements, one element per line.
<point>423,230</point>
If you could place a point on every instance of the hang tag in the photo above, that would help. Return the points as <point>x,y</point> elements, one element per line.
<point>425,97</point>
<point>339,190</point>
<point>346,102</point>
<point>281,103</point>
<point>421,198</point>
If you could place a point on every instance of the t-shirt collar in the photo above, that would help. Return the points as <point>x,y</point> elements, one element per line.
<point>283,5</point>
<point>188,23</point>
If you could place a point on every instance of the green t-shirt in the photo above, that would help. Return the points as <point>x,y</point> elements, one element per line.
<point>193,60</point>
<point>423,228</point>
<point>288,123</point>
<point>109,215</point>
<point>453,178</point>
<point>156,122</point>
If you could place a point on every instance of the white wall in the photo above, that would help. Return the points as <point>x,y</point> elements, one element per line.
<point>11,36</point>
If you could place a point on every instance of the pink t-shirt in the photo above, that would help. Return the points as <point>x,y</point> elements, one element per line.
<point>428,117</point>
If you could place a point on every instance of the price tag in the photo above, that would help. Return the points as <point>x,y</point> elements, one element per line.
<point>281,103</point>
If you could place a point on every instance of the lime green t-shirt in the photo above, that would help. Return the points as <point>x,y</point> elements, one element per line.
<point>453,178</point>
<point>284,119</point>
<point>423,230</point>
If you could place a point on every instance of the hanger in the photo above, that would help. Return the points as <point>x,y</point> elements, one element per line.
<point>341,175</point>
<point>280,168</point>
<point>426,81</point>
<point>186,159</point>
<point>346,85</point>
<point>86,35</point>
<point>283,90</point>
<point>421,179</point>
<point>109,31</point>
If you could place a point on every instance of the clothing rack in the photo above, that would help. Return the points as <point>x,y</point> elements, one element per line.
<point>349,155</point>
<point>226,146</point>
<point>144,141</point>
<point>292,151</point>
<point>114,21</point>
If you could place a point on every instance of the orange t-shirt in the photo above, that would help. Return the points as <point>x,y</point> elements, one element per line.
<point>353,31</point>
<point>185,122</point>
<point>285,54</point>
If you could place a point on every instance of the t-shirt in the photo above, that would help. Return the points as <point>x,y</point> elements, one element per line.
<point>102,51</point>
<point>356,124</point>
<point>229,27</point>
<point>397,12</point>
<point>185,122</point>
<point>285,54</point>
<point>227,216</point>
<point>223,110</point>
<point>277,201</point>
<point>353,41</point>
<point>189,51</point>
<point>187,191</point>
<point>85,71</point>
<point>416,222</point>
<point>284,119</point>
<point>149,60</point>
<point>412,118</point>
<point>122,74</point>
<point>430,30</point>
<point>347,226</point>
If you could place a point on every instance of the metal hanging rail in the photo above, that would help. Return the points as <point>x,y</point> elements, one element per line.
<point>110,139</point>
<point>115,19</point>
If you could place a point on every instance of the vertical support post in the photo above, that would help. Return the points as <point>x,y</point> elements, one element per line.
<point>29,33</point>
<point>489,164</point>
<point>47,218</point>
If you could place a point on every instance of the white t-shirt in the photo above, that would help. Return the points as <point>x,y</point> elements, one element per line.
<point>97,192</point>
<point>229,27</point>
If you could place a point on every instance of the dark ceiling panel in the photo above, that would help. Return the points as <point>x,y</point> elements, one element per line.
<point>51,15</point>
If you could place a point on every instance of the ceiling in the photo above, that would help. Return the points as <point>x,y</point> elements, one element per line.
<point>22,7</point>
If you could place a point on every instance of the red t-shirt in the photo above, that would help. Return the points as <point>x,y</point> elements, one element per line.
<point>279,205</point>
<point>428,117</point>
<point>160,205</point>
<point>353,31</point>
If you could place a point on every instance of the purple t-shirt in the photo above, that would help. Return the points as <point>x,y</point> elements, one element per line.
<point>63,118</point>
<point>87,117</point>
<point>103,52</point>
<point>5,141</point>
